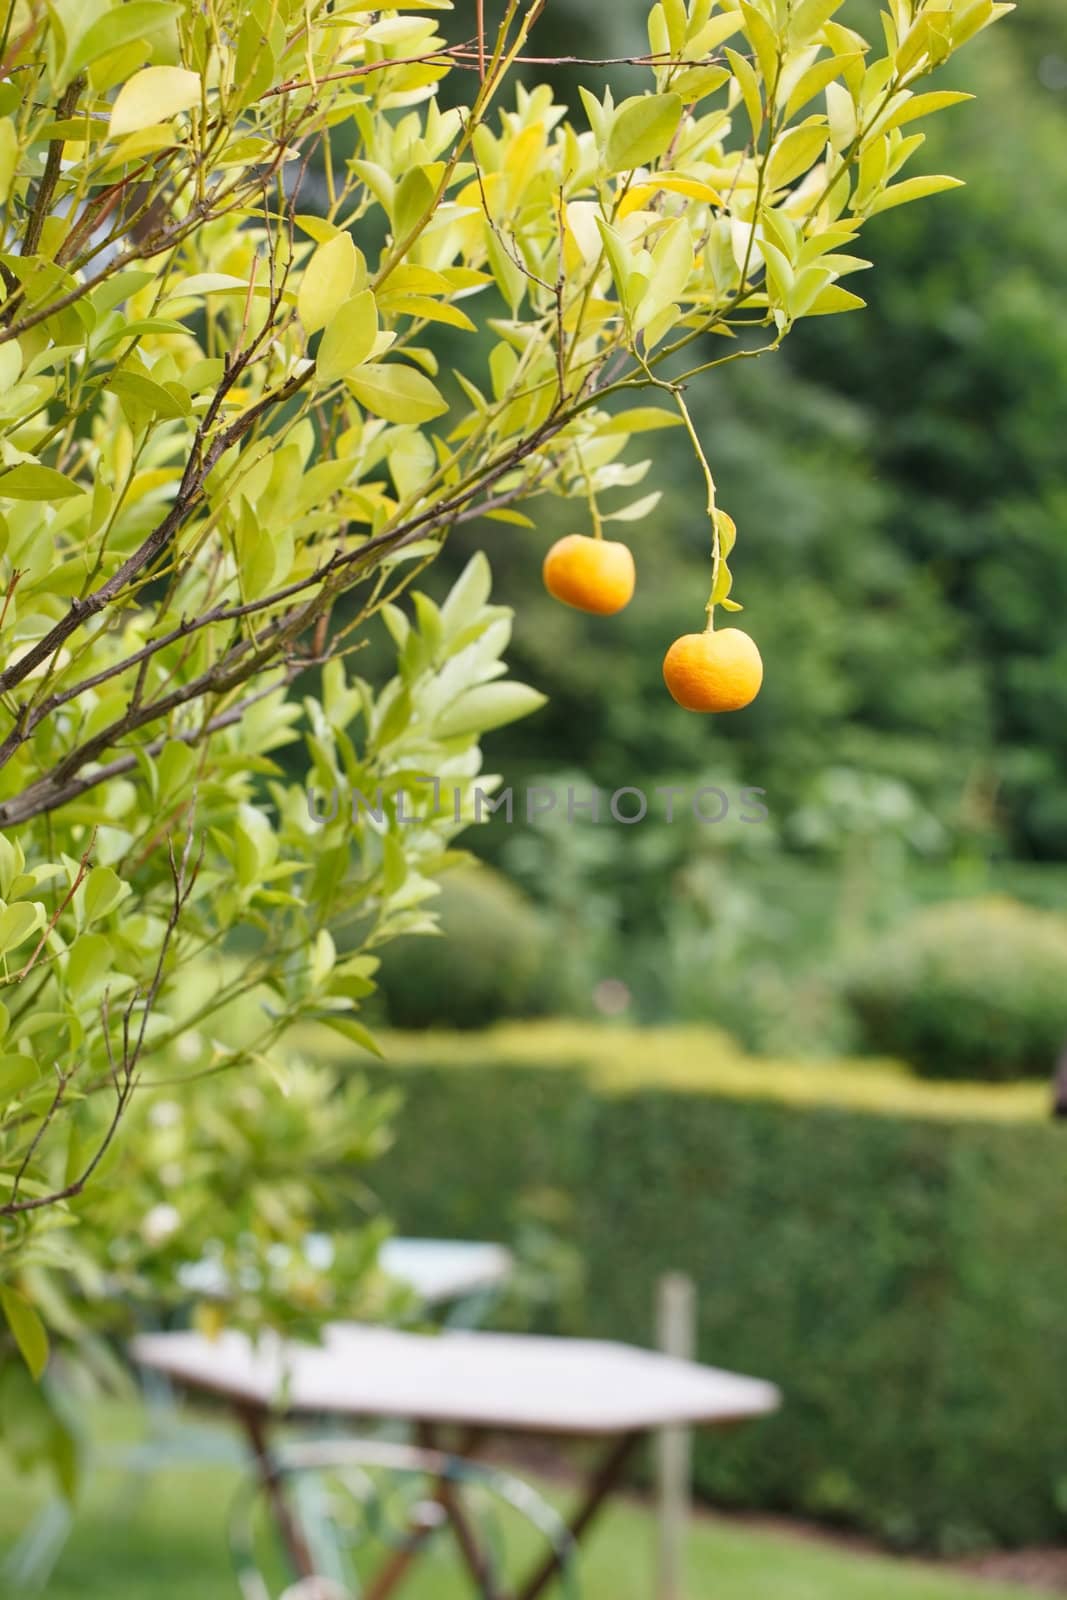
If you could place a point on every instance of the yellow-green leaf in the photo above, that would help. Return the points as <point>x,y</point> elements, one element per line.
<point>102,892</point>
<point>9,154</point>
<point>18,922</point>
<point>834,299</point>
<point>155,94</point>
<point>924,105</point>
<point>488,705</point>
<point>115,28</point>
<point>898,194</point>
<point>29,481</point>
<point>748,84</point>
<point>399,394</point>
<point>327,282</point>
<point>794,152</point>
<point>415,194</point>
<point>348,339</point>
<point>672,260</point>
<point>426,309</point>
<point>641,130</point>
<point>640,419</point>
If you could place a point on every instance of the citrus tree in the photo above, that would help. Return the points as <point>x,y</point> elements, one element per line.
<point>237,236</point>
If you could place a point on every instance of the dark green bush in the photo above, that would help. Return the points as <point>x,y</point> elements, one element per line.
<point>904,1280</point>
<point>971,989</point>
<point>488,965</point>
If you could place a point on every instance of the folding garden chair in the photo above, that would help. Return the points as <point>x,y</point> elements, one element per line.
<point>366,1497</point>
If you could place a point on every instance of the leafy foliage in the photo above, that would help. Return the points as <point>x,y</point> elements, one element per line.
<point>227,445</point>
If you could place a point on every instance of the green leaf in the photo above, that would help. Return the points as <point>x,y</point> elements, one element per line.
<point>517,519</point>
<point>146,392</point>
<point>899,194</point>
<point>489,705</point>
<point>748,83</point>
<point>467,596</point>
<point>30,482</point>
<point>843,117</point>
<point>207,283</point>
<point>411,552</point>
<point>17,922</point>
<point>351,1029</point>
<point>924,105</point>
<point>621,261</point>
<point>9,155</point>
<point>327,282</point>
<point>635,512</point>
<point>175,767</point>
<point>414,197</point>
<point>763,39</point>
<point>115,28</point>
<point>641,130</point>
<point>102,892</point>
<point>88,961</point>
<point>399,394</point>
<point>833,299</point>
<point>155,94</point>
<point>640,419</point>
<point>17,1072</point>
<point>348,339</point>
<point>672,260</point>
<point>27,1328</point>
<point>794,153</point>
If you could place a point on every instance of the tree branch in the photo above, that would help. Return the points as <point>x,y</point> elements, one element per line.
<point>124,1077</point>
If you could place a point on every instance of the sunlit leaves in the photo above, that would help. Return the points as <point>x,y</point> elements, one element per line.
<point>349,337</point>
<point>29,481</point>
<point>153,95</point>
<point>17,922</point>
<point>899,194</point>
<point>115,28</point>
<point>397,393</point>
<point>641,130</point>
<point>326,282</point>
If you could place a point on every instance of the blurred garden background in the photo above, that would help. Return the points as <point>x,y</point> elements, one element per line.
<point>805,1060</point>
<point>886,1241</point>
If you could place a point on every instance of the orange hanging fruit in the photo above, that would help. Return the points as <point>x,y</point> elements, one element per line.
<point>590,574</point>
<point>713,671</point>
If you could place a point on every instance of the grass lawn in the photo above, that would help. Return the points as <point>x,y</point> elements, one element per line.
<point>162,1537</point>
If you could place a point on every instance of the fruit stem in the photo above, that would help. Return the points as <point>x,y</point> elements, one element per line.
<point>716,549</point>
<point>594,512</point>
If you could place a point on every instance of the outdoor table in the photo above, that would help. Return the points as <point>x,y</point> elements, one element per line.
<point>440,1270</point>
<point>480,1384</point>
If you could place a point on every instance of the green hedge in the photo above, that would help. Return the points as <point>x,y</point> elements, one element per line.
<point>903,1278</point>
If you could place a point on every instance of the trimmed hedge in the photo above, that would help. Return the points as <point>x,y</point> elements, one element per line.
<point>903,1278</point>
<point>488,964</point>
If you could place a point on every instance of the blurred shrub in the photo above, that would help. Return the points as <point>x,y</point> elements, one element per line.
<point>489,964</point>
<point>901,1278</point>
<point>974,989</point>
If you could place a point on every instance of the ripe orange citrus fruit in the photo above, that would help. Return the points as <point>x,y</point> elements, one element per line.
<point>590,574</point>
<point>713,671</point>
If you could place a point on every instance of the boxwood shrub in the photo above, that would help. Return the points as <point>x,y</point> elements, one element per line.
<point>970,989</point>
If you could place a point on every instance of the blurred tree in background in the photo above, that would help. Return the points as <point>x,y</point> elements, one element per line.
<point>901,481</point>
